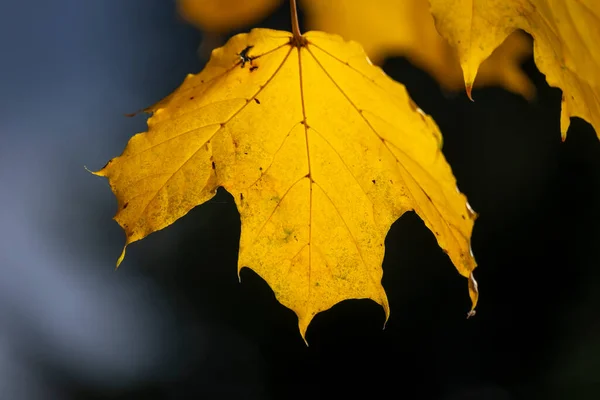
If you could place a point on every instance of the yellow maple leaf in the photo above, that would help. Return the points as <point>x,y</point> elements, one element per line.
<point>384,28</point>
<point>321,151</point>
<point>566,35</point>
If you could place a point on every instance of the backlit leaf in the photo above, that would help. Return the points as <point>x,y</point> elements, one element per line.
<point>566,35</point>
<point>387,28</point>
<point>321,151</point>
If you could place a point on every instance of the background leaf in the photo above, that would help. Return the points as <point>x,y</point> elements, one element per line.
<point>566,35</point>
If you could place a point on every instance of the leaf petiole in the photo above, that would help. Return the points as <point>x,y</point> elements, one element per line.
<point>297,39</point>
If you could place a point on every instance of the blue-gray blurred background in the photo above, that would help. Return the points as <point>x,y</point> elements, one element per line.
<point>173,322</point>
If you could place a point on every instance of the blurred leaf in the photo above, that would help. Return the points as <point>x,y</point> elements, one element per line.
<point>222,16</point>
<point>321,151</point>
<point>384,28</point>
<point>566,35</point>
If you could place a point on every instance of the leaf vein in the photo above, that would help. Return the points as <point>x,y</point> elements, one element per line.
<point>345,165</point>
<point>349,231</point>
<point>384,142</point>
<point>275,209</point>
<point>218,130</point>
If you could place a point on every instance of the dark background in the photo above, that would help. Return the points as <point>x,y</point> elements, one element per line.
<point>173,322</point>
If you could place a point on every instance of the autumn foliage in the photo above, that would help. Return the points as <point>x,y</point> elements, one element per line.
<point>321,150</point>
<point>383,28</point>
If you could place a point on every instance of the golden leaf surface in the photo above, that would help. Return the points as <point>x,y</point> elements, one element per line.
<point>321,151</point>
<point>384,28</point>
<point>566,44</point>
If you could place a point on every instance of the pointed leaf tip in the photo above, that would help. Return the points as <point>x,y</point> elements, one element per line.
<point>473,294</point>
<point>303,326</point>
<point>468,89</point>
<point>386,308</point>
<point>97,173</point>
<point>121,257</point>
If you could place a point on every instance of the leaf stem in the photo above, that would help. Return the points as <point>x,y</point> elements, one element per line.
<point>295,25</point>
